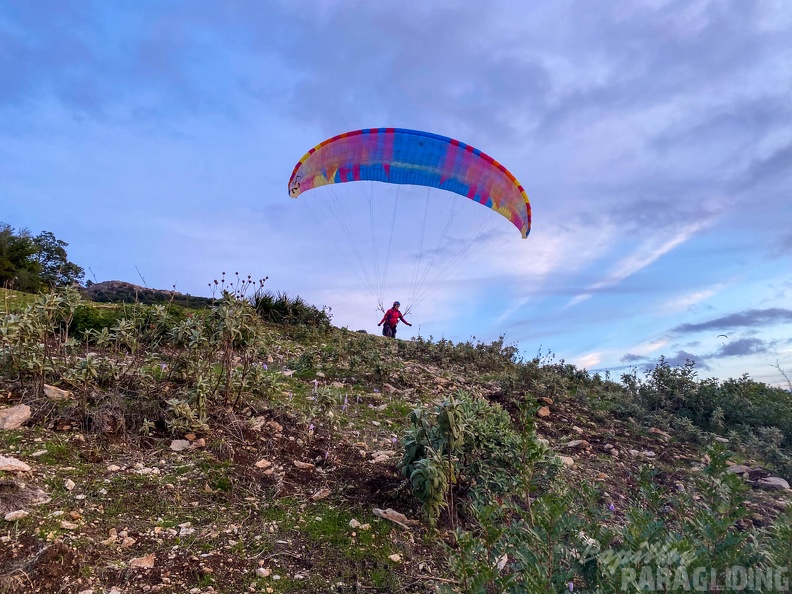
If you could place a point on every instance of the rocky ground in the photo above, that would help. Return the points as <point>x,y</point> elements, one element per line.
<point>268,502</point>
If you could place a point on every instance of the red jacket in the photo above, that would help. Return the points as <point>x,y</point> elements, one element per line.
<point>392,317</point>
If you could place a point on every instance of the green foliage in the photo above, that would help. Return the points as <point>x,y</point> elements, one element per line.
<point>28,263</point>
<point>18,267</point>
<point>295,311</point>
<point>471,444</point>
<point>742,404</point>
<point>88,319</point>
<point>470,355</point>
<point>561,536</point>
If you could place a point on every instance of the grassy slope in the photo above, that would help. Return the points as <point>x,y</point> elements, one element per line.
<point>212,518</point>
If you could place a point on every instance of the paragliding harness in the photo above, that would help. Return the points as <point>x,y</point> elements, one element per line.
<point>391,319</point>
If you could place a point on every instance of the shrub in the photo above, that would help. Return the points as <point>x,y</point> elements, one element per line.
<point>281,309</point>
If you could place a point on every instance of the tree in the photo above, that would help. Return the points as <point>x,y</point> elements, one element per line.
<point>56,270</point>
<point>27,263</point>
<point>18,267</point>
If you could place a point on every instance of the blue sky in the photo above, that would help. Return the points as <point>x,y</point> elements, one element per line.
<point>654,139</point>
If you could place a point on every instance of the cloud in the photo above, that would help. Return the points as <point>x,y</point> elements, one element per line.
<point>630,358</point>
<point>769,168</point>
<point>681,357</point>
<point>750,318</point>
<point>688,300</point>
<point>742,347</point>
<point>641,258</point>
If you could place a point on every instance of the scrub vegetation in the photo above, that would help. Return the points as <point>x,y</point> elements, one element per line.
<point>250,445</point>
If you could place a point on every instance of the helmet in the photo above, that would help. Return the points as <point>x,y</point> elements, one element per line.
<point>396,303</point>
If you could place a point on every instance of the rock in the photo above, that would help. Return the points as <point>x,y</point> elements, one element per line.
<point>633,453</point>
<point>198,443</point>
<point>608,446</point>
<point>388,389</point>
<point>648,454</point>
<point>57,394</point>
<point>577,430</point>
<point>353,523</point>
<point>69,484</point>
<point>378,457</point>
<point>263,463</point>
<point>773,483</point>
<point>395,557</point>
<point>304,465</point>
<point>16,515</point>
<point>738,469</point>
<point>146,562</point>
<point>721,440</point>
<point>13,465</point>
<point>544,400</point>
<point>113,468</point>
<point>567,461</point>
<point>66,525</point>
<point>614,452</point>
<point>14,417</point>
<point>178,445</point>
<point>337,385</point>
<point>127,542</point>
<point>320,374</point>
<point>321,494</point>
<point>394,516</point>
<point>661,434</point>
<point>543,412</point>
<point>263,572</point>
<point>578,443</point>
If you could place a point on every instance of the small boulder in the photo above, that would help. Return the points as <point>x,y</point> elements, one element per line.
<point>738,469</point>
<point>578,444</point>
<point>321,494</point>
<point>543,412</point>
<point>773,483</point>
<point>146,562</point>
<point>661,434</point>
<point>57,394</point>
<point>13,465</point>
<point>178,445</point>
<point>567,461</point>
<point>14,417</point>
<point>16,515</point>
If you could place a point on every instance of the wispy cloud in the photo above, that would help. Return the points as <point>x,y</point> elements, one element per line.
<point>648,253</point>
<point>742,347</point>
<point>688,300</point>
<point>750,318</point>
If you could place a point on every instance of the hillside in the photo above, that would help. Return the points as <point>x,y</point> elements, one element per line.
<point>123,292</point>
<point>169,450</point>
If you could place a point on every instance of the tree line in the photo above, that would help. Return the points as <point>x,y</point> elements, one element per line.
<point>32,262</point>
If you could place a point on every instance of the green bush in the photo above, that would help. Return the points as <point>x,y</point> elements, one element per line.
<point>281,309</point>
<point>89,318</point>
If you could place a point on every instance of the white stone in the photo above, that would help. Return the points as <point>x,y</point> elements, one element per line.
<point>14,417</point>
<point>16,515</point>
<point>13,465</point>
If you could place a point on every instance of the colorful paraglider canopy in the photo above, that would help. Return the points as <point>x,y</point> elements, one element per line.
<point>399,156</point>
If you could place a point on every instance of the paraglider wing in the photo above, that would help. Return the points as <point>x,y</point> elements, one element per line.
<point>399,156</point>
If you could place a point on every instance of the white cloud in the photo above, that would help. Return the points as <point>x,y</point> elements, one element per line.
<point>645,255</point>
<point>690,299</point>
<point>588,361</point>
